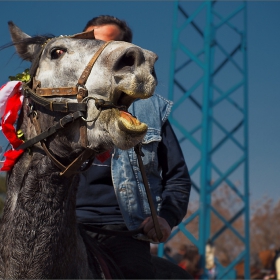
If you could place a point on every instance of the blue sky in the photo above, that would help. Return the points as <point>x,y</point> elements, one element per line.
<point>151,22</point>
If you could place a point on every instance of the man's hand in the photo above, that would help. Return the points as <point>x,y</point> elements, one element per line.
<point>149,229</point>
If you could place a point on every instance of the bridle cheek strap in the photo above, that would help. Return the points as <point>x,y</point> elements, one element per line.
<point>83,79</point>
<point>83,92</point>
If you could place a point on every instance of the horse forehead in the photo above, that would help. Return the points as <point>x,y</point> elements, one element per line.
<point>72,43</point>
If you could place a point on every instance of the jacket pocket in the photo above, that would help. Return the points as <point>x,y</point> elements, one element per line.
<point>152,135</point>
<point>149,148</point>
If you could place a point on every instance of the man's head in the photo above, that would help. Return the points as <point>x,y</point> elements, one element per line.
<point>108,28</point>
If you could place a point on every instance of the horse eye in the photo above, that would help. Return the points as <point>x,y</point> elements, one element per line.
<point>57,53</point>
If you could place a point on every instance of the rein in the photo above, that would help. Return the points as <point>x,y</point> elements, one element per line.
<point>159,234</point>
<point>140,154</point>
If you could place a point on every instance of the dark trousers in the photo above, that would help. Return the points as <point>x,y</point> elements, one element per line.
<point>131,255</point>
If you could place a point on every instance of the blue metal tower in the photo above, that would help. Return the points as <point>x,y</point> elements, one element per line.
<point>208,85</point>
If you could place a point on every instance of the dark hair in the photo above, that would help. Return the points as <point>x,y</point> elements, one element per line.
<point>101,20</point>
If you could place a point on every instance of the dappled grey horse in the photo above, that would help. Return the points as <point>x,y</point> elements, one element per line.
<point>74,108</point>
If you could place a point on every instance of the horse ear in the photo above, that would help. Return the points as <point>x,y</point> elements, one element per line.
<point>25,51</point>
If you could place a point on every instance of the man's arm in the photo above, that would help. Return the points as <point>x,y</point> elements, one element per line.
<point>176,185</point>
<point>176,179</point>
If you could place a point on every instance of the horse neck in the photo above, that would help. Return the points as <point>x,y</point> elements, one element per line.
<point>39,226</point>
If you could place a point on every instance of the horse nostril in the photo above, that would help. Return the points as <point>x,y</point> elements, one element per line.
<point>128,59</point>
<point>132,57</point>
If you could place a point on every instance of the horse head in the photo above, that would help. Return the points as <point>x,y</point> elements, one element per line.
<point>119,74</point>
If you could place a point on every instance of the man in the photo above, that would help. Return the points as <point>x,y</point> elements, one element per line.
<point>108,28</point>
<point>111,194</point>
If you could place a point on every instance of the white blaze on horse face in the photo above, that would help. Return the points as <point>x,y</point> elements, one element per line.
<point>122,73</point>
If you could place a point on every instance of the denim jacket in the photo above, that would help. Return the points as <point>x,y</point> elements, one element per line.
<point>126,175</point>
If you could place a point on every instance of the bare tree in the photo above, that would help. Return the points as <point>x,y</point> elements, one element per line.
<point>265,226</point>
<point>264,230</point>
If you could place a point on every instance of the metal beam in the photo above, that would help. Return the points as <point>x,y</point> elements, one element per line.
<point>221,75</point>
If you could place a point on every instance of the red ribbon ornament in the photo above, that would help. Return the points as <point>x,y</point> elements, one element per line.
<point>11,99</point>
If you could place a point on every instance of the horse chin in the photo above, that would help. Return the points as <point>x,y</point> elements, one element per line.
<point>129,142</point>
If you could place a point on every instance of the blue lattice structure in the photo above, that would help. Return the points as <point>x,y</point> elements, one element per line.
<point>208,85</point>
